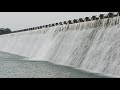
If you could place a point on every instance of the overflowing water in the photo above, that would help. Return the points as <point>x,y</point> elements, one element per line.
<point>93,46</point>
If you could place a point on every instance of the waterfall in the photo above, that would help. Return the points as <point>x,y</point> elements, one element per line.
<point>92,45</point>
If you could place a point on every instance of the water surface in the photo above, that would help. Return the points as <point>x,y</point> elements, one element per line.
<point>14,66</point>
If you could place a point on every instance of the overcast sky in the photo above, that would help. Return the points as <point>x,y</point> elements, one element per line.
<point>21,20</point>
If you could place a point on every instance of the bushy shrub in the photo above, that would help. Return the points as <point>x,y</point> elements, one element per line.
<point>4,31</point>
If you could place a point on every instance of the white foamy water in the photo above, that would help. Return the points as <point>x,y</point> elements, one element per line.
<point>93,46</point>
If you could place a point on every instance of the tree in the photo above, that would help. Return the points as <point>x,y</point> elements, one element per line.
<point>4,31</point>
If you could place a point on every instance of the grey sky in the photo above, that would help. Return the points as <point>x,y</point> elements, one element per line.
<point>21,20</point>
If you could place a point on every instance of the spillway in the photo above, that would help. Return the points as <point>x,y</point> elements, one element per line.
<point>93,46</point>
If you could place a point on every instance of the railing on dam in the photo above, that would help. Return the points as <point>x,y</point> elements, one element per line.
<point>86,19</point>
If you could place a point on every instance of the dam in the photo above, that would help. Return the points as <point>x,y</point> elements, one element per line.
<point>91,44</point>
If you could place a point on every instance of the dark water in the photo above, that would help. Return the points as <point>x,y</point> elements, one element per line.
<point>12,66</point>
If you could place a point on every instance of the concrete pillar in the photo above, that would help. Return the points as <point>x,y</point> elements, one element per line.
<point>81,20</point>
<point>50,25</point>
<point>93,18</point>
<point>65,22</point>
<point>101,16</point>
<point>33,28</point>
<point>75,21</point>
<point>60,23</point>
<point>56,24</point>
<point>43,26</point>
<point>70,22</point>
<point>40,27</point>
<point>87,19</point>
<point>53,24</point>
<point>118,14</point>
<point>46,26</point>
<point>110,15</point>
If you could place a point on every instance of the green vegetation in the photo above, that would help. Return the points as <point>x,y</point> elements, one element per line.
<point>4,31</point>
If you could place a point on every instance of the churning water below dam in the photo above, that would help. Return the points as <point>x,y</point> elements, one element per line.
<point>14,66</point>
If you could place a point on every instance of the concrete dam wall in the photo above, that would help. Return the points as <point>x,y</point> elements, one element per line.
<point>91,45</point>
